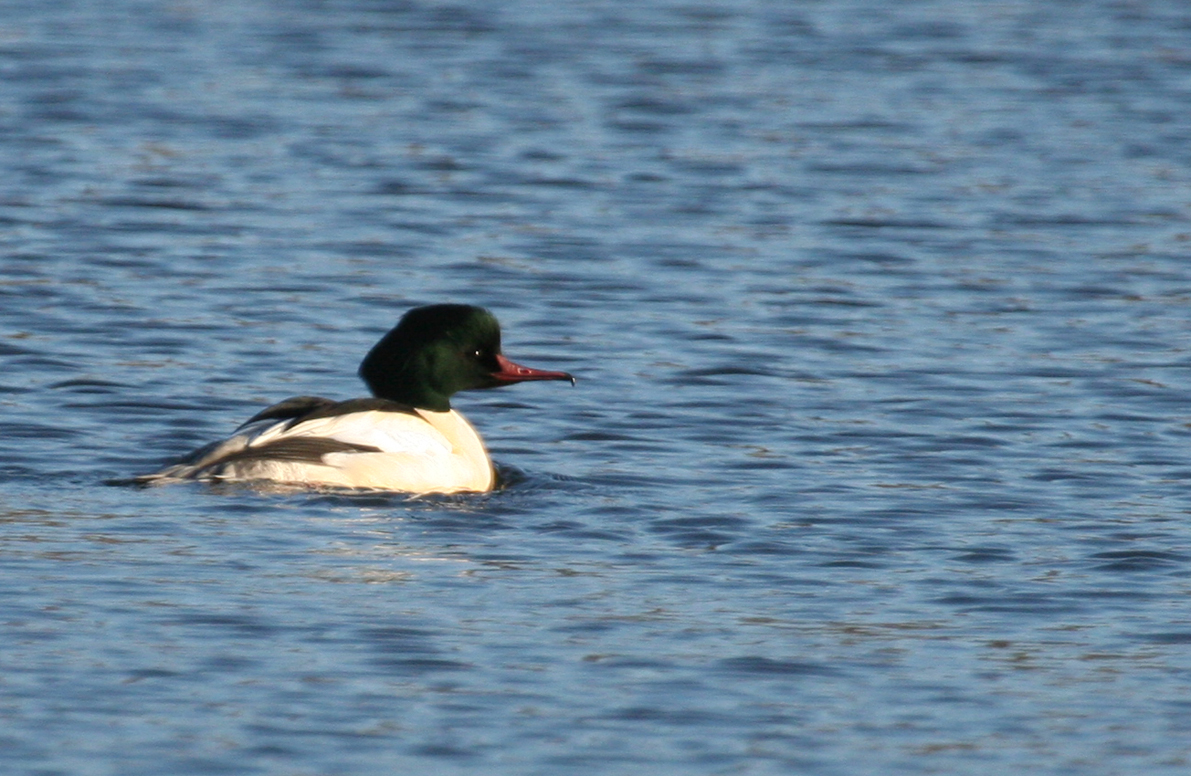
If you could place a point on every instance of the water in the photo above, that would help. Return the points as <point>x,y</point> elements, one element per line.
<point>878,458</point>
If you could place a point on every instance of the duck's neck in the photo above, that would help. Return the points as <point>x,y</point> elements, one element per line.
<point>420,396</point>
<point>408,384</point>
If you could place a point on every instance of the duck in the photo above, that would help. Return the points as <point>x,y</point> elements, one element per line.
<point>406,437</point>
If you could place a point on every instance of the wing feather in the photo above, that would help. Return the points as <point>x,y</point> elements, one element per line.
<point>358,443</point>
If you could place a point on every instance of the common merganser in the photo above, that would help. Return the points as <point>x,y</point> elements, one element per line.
<point>407,438</point>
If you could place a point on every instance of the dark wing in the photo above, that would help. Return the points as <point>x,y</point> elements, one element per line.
<point>213,459</point>
<point>330,409</point>
<point>302,408</point>
<point>302,449</point>
<point>295,408</point>
<point>238,449</point>
<point>305,449</point>
<point>299,449</point>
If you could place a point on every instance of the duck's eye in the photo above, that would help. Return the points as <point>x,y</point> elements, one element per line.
<point>478,353</point>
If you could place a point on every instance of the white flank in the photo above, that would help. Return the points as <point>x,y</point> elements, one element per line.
<point>431,452</point>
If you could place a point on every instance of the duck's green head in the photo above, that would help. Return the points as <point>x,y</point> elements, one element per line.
<point>440,349</point>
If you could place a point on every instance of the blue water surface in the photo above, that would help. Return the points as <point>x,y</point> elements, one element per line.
<point>878,459</point>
